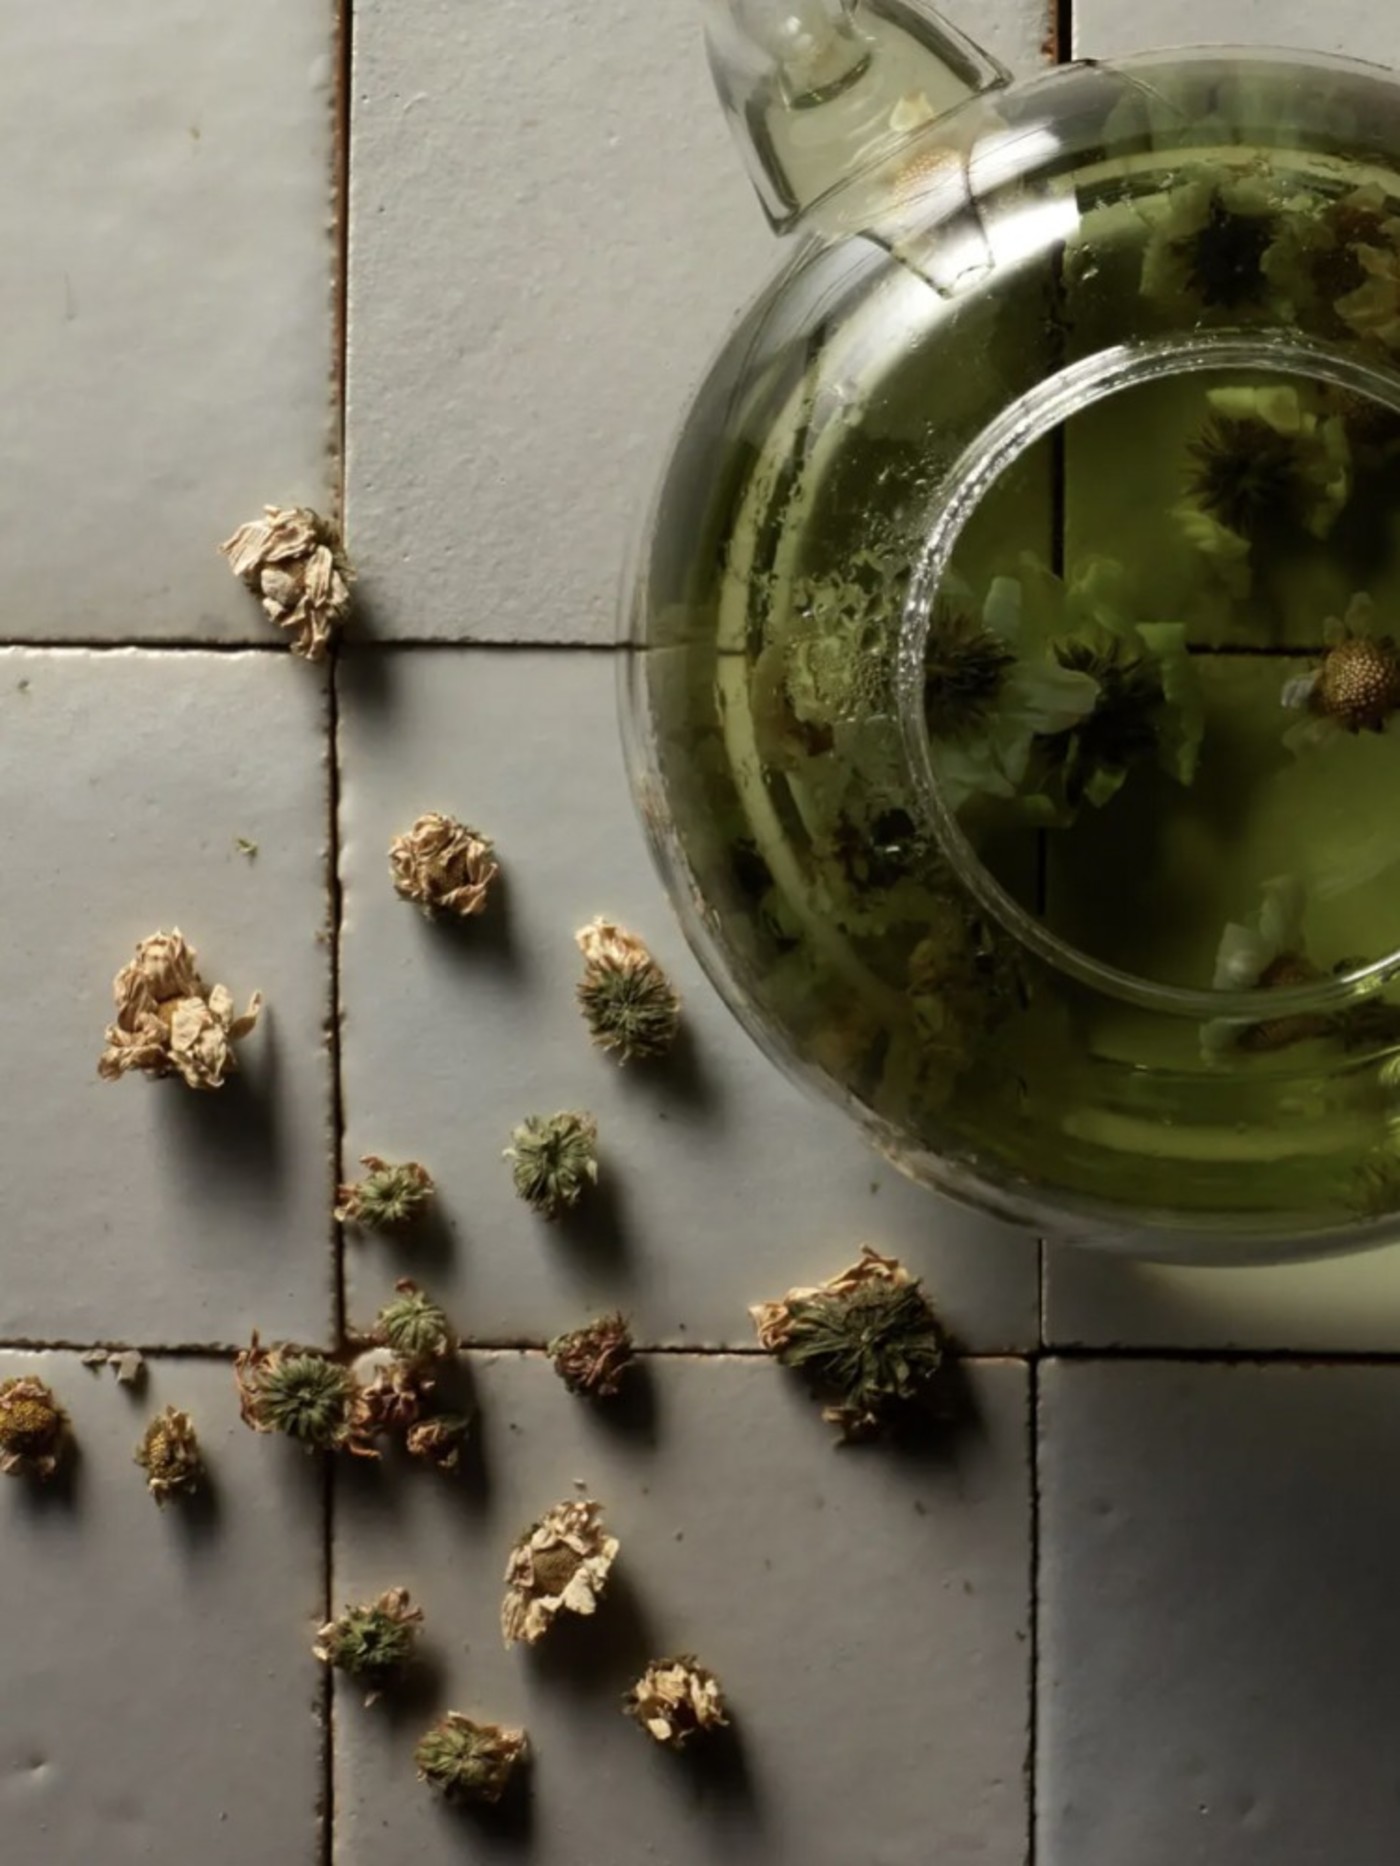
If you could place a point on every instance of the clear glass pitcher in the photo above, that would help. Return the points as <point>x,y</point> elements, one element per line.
<point>1013,695</point>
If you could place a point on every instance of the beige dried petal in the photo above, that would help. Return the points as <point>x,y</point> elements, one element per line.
<point>292,561</point>
<point>561,1565</point>
<point>676,1699</point>
<point>443,865</point>
<point>169,1022</point>
<point>773,1320</point>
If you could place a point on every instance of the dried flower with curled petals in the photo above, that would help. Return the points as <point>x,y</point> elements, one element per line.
<point>439,1440</point>
<point>392,1400</point>
<point>555,1161</point>
<point>470,1762</point>
<point>676,1699</point>
<point>372,1643</point>
<point>302,1394</point>
<point>169,1022</point>
<point>630,1006</point>
<point>33,1428</point>
<point>592,1360</point>
<point>291,559</point>
<point>388,1197</point>
<point>443,865</point>
<point>169,1455</point>
<point>869,1337</point>
<point>561,1565</point>
<point>414,1327</point>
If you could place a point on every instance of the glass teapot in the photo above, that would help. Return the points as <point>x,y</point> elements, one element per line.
<point>1013,695</point>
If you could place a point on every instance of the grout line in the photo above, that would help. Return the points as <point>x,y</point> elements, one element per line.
<point>1033,1626</point>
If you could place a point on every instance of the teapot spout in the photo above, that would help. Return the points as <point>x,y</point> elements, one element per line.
<point>818,91</point>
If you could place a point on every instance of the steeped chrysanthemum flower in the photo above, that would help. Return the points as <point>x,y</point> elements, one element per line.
<point>1267,953</point>
<point>413,1326</point>
<point>470,1762</point>
<point>300,1393</point>
<point>592,1360</point>
<point>445,866</point>
<point>676,1699</point>
<point>1207,245</point>
<point>869,1338</point>
<point>33,1429</point>
<point>560,1565</point>
<point>169,1022</point>
<point>966,667</point>
<point>1315,259</point>
<point>291,559</point>
<point>389,1196</point>
<point>555,1160</point>
<point>630,1006</point>
<point>1356,686</point>
<point>169,1454</point>
<point>372,1643</point>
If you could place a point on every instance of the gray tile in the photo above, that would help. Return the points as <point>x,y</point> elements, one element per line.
<point>866,1614</point>
<point>724,1183</point>
<point>1355,28</point>
<point>140,1210</point>
<point>1217,1614</point>
<point>168,313</point>
<point>160,1702</point>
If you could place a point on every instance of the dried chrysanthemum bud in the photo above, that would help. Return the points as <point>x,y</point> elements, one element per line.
<point>628,1003</point>
<point>413,1326</point>
<point>292,561</point>
<point>392,1400</point>
<point>372,1644</point>
<point>169,1022</point>
<point>470,1762</point>
<point>388,1197</point>
<point>593,1359</point>
<point>302,1394</point>
<point>169,1455</point>
<point>561,1565</point>
<point>444,866</point>
<point>555,1160</point>
<point>33,1427</point>
<point>674,1699</point>
<point>438,1441</point>
<point>869,1337</point>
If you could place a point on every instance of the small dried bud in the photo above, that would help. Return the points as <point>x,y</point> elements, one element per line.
<point>169,1022</point>
<point>33,1427</point>
<point>438,1441</point>
<point>391,1401</point>
<point>628,1003</point>
<point>389,1197</point>
<point>869,1337</point>
<point>169,1455</point>
<point>1358,684</point>
<point>414,1327</point>
<point>561,1565</point>
<point>372,1644</point>
<point>674,1699</point>
<point>592,1360</point>
<point>556,1161</point>
<point>302,1394</point>
<point>292,561</point>
<point>444,866</point>
<point>470,1762</point>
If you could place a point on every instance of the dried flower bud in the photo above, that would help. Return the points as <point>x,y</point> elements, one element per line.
<point>561,1565</point>
<point>556,1161</point>
<point>869,1337</point>
<point>444,865</point>
<point>628,1003</point>
<point>438,1441</point>
<point>414,1327</point>
<point>593,1359</point>
<point>389,1197</point>
<point>302,1394</point>
<point>169,1455</point>
<point>674,1699</point>
<point>169,1022</point>
<point>372,1644</point>
<point>391,1401</point>
<point>292,561</point>
<point>33,1427</point>
<point>470,1762</point>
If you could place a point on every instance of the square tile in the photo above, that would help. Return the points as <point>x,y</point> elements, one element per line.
<point>153,1214</point>
<point>1217,1602</point>
<point>169,330</point>
<point>865,1613</point>
<point>1354,28</point>
<point>722,1184</point>
<point>161,1701</point>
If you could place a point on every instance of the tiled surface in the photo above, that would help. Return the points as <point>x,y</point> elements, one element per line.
<point>867,1615</point>
<point>1218,1612</point>
<point>138,1210</point>
<point>160,1700</point>
<point>166,305</point>
<point>1354,28</point>
<point>720,1183</point>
